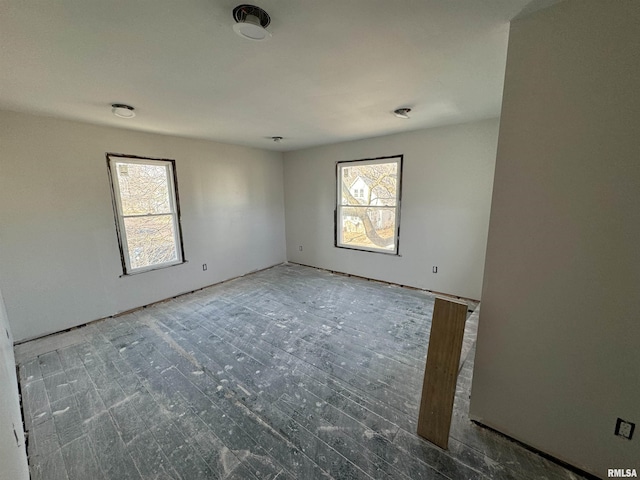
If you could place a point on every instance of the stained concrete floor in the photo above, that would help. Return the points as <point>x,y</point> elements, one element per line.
<point>288,373</point>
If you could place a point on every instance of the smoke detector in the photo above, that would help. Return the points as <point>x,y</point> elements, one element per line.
<point>123,111</point>
<point>251,22</point>
<point>402,112</point>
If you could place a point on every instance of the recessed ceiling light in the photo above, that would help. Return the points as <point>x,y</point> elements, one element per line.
<point>251,22</point>
<point>123,111</point>
<point>402,112</point>
<point>276,139</point>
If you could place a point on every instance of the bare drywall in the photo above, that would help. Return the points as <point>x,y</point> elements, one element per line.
<point>59,262</point>
<point>13,454</point>
<point>446,192</point>
<point>557,355</point>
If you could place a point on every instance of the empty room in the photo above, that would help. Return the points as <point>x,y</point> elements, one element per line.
<point>297,239</point>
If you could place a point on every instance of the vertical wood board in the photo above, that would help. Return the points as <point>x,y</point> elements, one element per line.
<point>441,371</point>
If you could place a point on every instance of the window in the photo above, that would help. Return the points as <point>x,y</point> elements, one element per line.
<point>145,201</point>
<point>369,222</point>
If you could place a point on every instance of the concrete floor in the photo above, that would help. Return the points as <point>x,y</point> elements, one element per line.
<point>288,373</point>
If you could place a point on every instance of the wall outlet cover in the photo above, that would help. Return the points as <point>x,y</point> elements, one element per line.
<point>624,428</point>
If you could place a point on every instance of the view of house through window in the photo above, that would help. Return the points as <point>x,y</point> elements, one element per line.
<point>145,204</point>
<point>368,201</point>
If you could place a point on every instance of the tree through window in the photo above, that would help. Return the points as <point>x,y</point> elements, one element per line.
<point>147,212</point>
<point>368,204</point>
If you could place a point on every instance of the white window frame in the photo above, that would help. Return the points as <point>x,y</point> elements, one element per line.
<point>113,159</point>
<point>338,219</point>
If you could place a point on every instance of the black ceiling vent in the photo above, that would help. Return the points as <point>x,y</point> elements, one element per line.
<point>241,12</point>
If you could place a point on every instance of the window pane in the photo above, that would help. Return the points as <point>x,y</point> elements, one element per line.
<point>368,199</point>
<point>144,189</point>
<point>372,184</point>
<point>369,227</point>
<point>150,240</point>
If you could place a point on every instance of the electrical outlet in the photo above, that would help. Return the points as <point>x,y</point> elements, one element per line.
<point>204,267</point>
<point>625,429</point>
<point>300,248</point>
<point>434,269</point>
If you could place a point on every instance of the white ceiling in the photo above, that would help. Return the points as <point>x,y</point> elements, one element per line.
<point>334,70</point>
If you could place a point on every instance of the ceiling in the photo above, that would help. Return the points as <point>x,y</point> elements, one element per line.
<point>334,70</point>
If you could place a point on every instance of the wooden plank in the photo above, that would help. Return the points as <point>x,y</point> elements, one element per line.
<point>441,372</point>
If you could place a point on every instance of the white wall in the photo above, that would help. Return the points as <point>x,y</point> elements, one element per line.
<point>446,193</point>
<point>59,261</point>
<point>558,356</point>
<point>13,454</point>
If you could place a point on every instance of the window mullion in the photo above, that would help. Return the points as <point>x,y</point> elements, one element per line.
<point>143,215</point>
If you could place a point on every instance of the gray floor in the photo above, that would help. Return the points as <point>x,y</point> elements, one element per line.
<point>289,373</point>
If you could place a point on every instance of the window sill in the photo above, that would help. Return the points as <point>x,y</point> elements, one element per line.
<point>395,254</point>
<point>153,269</point>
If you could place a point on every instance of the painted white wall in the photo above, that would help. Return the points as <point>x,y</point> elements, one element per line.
<point>557,356</point>
<point>13,454</point>
<point>446,194</point>
<point>59,261</point>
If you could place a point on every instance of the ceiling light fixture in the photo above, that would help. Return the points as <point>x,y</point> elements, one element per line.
<point>123,111</point>
<point>402,112</point>
<point>251,22</point>
<point>276,139</point>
